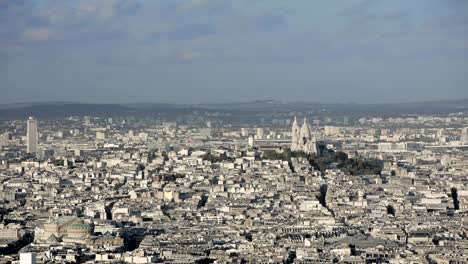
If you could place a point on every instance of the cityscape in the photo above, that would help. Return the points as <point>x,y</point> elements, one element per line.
<point>234,131</point>
<point>288,187</point>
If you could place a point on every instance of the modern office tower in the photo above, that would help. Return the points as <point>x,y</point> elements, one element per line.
<point>244,132</point>
<point>464,136</point>
<point>260,133</point>
<point>32,136</point>
<point>87,120</point>
<point>251,141</point>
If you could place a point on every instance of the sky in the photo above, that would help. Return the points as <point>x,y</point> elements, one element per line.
<point>199,51</point>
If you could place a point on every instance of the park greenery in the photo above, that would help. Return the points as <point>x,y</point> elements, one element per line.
<point>327,159</point>
<point>217,158</point>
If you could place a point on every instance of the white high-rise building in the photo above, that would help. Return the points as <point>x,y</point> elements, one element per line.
<point>260,133</point>
<point>251,141</point>
<point>244,132</point>
<point>32,136</point>
<point>464,136</point>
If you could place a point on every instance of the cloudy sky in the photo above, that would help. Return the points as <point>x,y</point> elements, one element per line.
<point>196,51</point>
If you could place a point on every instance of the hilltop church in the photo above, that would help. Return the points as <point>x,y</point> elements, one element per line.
<point>302,138</point>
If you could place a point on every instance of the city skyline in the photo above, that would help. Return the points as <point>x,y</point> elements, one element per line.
<point>209,187</point>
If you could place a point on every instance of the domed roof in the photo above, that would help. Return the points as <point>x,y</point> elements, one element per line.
<point>305,132</point>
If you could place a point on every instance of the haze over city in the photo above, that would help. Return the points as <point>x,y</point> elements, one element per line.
<point>228,51</point>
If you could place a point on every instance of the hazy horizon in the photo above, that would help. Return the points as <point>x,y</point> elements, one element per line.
<point>123,103</point>
<point>210,51</point>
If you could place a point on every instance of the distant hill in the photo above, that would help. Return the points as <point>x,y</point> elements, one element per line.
<point>57,110</point>
<point>64,109</point>
<point>431,107</point>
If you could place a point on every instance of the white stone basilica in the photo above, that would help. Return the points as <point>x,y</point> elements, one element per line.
<point>302,138</point>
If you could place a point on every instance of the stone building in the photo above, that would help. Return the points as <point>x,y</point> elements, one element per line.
<point>302,138</point>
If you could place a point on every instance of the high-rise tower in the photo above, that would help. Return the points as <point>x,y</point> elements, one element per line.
<point>464,136</point>
<point>32,137</point>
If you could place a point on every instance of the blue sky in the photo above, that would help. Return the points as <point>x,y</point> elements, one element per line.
<point>196,51</point>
